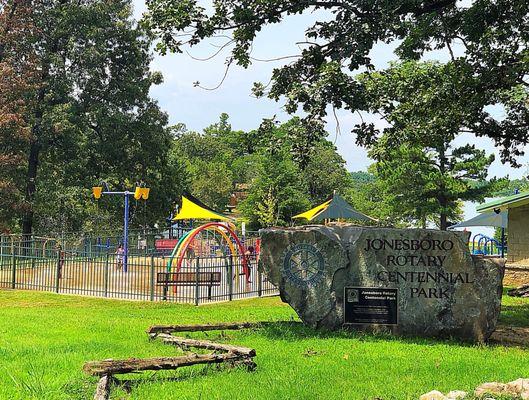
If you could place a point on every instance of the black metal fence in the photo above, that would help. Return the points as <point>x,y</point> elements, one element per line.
<point>44,264</point>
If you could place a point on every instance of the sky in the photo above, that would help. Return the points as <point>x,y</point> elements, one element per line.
<point>197,108</point>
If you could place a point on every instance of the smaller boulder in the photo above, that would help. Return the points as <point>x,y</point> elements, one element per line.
<point>521,291</point>
<point>456,395</point>
<point>493,388</point>
<point>518,386</point>
<point>433,395</point>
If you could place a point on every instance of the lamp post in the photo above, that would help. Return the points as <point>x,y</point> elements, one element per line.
<point>139,193</point>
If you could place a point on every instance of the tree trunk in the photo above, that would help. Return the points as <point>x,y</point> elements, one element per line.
<point>33,159</point>
<point>443,222</point>
<point>443,201</point>
<point>103,388</point>
<point>31,186</point>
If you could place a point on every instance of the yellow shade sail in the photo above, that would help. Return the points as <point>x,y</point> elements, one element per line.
<point>313,211</point>
<point>193,209</point>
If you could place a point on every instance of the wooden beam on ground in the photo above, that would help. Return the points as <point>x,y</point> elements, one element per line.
<point>103,388</point>
<point>111,367</point>
<point>510,335</point>
<point>203,327</point>
<point>204,344</point>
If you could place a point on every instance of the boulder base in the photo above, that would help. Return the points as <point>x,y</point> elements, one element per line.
<point>405,281</point>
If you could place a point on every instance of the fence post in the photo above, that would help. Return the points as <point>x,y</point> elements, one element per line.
<point>152,277</point>
<point>259,283</point>
<point>58,271</point>
<point>230,281</point>
<point>13,265</point>
<point>105,283</point>
<point>33,256</point>
<point>1,251</point>
<point>197,288</point>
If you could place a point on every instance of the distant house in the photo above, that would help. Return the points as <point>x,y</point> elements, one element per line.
<point>517,207</point>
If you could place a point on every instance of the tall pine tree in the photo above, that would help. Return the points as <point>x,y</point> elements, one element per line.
<point>421,169</point>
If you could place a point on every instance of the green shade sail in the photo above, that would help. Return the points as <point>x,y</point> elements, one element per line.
<point>334,208</point>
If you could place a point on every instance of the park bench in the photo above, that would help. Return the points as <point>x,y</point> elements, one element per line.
<point>209,279</point>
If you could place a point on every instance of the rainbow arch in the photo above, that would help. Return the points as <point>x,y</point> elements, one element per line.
<point>226,232</point>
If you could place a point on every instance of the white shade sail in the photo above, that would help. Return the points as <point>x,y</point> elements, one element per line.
<point>499,220</point>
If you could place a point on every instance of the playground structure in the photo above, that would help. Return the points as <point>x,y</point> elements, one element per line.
<point>210,262</point>
<point>487,246</point>
<point>139,193</point>
<point>209,269</point>
<point>334,208</point>
<point>222,239</point>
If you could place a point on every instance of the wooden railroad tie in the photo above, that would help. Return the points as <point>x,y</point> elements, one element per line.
<point>155,329</point>
<point>222,353</point>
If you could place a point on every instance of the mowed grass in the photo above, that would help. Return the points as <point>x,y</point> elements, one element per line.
<point>45,340</point>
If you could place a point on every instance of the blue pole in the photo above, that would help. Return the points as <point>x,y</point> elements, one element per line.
<point>126,233</point>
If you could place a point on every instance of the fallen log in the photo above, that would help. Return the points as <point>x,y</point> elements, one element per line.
<point>203,327</point>
<point>111,367</point>
<point>204,344</point>
<point>520,291</point>
<point>103,388</point>
<point>510,335</point>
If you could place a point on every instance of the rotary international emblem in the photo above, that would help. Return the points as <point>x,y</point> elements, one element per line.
<point>303,264</point>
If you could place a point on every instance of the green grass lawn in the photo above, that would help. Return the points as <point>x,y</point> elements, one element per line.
<point>45,339</point>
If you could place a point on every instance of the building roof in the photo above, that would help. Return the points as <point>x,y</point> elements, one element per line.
<point>516,200</point>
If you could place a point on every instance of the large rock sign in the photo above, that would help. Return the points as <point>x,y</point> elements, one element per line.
<point>406,281</point>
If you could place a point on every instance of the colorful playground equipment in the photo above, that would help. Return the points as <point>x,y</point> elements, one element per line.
<point>139,193</point>
<point>482,244</point>
<point>206,240</point>
<point>485,245</point>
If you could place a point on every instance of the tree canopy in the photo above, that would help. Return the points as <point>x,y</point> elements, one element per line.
<point>485,43</point>
<point>88,115</point>
<point>422,172</point>
<point>281,176</point>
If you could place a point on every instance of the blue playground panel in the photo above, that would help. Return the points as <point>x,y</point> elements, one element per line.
<point>485,245</point>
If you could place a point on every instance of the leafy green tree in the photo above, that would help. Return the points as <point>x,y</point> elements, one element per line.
<point>365,195</point>
<point>277,193</point>
<point>283,171</point>
<point>421,171</point>
<point>512,187</point>
<point>18,72</point>
<point>325,172</point>
<point>422,184</point>
<point>267,212</point>
<point>91,117</point>
<point>485,41</point>
<point>212,183</point>
<point>209,159</point>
